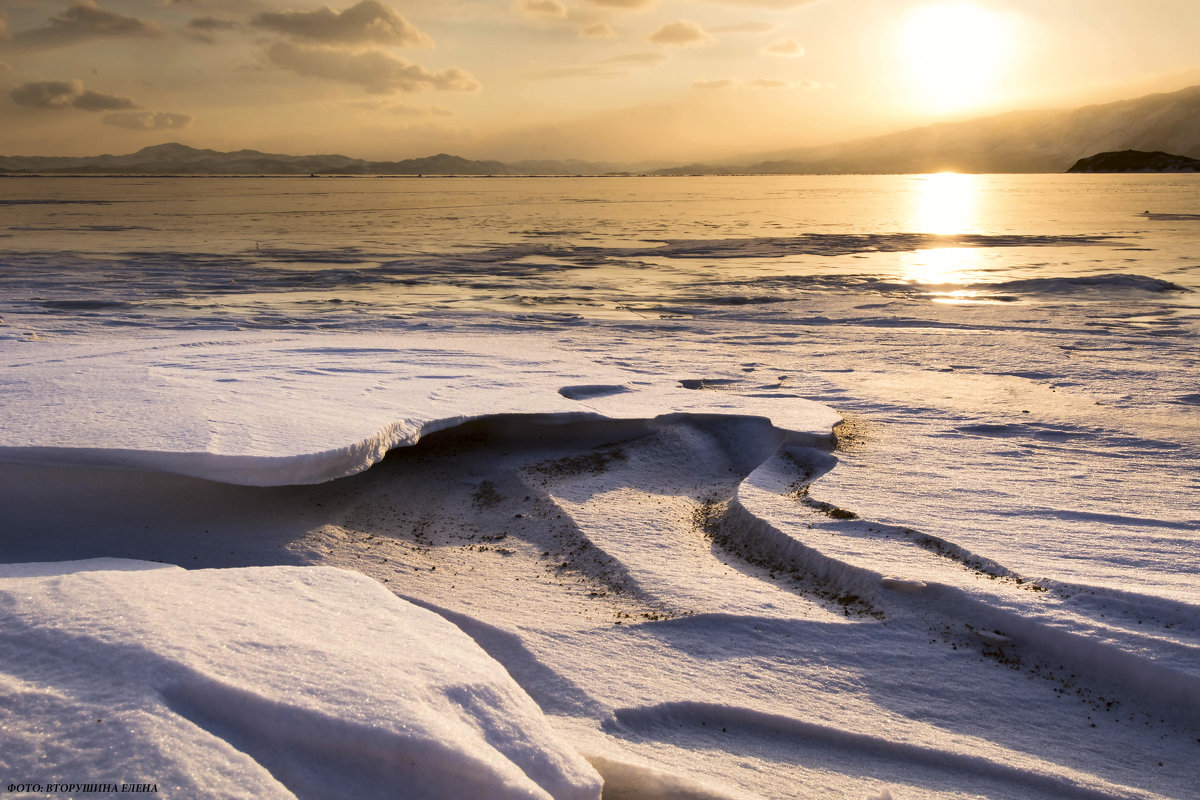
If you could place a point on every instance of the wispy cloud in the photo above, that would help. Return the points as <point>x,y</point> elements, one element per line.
<point>608,68</point>
<point>769,83</point>
<point>368,22</point>
<point>601,30</point>
<point>398,109</point>
<point>680,34</point>
<point>784,48</point>
<point>767,3</point>
<point>626,4</point>
<point>637,58</point>
<point>375,71</point>
<point>582,71</point>
<point>542,8</point>
<point>148,120</point>
<point>242,7</point>
<point>744,27</point>
<point>204,29</point>
<point>754,83</point>
<point>718,83</point>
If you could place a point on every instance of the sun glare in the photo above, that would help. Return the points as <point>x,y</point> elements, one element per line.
<point>944,204</point>
<point>954,55</point>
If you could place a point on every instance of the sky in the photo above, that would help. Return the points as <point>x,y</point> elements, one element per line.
<point>603,80</point>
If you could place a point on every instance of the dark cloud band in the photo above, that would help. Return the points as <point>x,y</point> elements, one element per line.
<point>368,22</point>
<point>67,94</point>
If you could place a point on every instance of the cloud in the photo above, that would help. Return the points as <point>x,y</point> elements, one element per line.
<point>212,24</point>
<point>769,83</point>
<point>95,101</point>
<point>241,7</point>
<point>207,5</point>
<point>47,94</point>
<point>784,48</point>
<point>623,3</point>
<point>600,30</point>
<point>406,111</point>
<point>374,70</point>
<point>637,58</point>
<point>745,27</point>
<point>368,22</point>
<point>586,71</point>
<point>719,83</point>
<point>67,94</point>
<point>680,34</point>
<point>81,21</point>
<point>203,29</point>
<point>542,8</point>
<point>398,109</point>
<point>608,68</point>
<point>755,83</point>
<point>767,3</point>
<point>148,120</point>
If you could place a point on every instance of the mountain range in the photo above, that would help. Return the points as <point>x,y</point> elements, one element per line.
<point>1020,141</point>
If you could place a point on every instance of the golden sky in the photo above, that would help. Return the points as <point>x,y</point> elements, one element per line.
<point>622,80</point>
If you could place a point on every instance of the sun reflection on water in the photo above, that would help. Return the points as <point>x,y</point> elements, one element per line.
<point>944,204</point>
<point>942,266</point>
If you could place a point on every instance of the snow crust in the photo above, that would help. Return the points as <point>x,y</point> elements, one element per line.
<point>611,468</point>
<point>620,553</point>
<point>264,410</point>
<point>260,682</point>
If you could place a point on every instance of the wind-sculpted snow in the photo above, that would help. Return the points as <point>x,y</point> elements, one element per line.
<point>701,722</point>
<point>644,577</point>
<point>588,424</point>
<point>264,411</point>
<point>106,660</point>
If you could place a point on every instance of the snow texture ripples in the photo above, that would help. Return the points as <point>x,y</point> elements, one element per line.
<point>738,488</point>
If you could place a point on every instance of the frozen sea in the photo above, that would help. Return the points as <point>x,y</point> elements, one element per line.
<point>812,486</point>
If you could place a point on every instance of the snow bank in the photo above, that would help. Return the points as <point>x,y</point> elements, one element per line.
<point>262,409</point>
<point>273,682</point>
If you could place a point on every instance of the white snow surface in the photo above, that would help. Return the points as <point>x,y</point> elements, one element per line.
<point>273,410</point>
<point>587,425</point>
<point>273,682</point>
<point>640,551</point>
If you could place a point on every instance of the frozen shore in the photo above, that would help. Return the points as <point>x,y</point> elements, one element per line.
<point>650,570</point>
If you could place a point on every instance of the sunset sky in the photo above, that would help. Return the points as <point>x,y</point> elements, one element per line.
<point>623,80</point>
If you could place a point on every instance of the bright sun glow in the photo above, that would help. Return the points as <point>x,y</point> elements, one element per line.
<point>954,55</point>
<point>944,204</point>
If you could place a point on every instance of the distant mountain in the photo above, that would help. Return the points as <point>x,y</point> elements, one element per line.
<point>178,159</point>
<point>1136,161</point>
<point>1022,141</point>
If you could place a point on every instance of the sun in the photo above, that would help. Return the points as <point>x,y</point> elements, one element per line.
<point>954,55</point>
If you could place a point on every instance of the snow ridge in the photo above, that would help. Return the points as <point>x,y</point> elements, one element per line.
<point>704,720</point>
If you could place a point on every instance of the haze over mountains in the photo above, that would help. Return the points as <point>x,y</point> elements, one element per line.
<point>1021,141</point>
